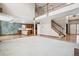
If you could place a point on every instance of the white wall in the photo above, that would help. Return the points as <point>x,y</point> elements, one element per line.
<point>45,28</point>
<point>25,11</point>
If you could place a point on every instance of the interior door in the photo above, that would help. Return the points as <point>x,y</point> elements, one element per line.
<point>77,28</point>
<point>73,29</point>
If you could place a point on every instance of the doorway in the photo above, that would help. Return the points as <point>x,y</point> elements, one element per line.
<point>77,29</point>
<point>73,29</point>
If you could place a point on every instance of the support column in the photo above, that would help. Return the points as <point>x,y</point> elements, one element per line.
<point>67,19</point>
<point>34,28</point>
<point>67,25</point>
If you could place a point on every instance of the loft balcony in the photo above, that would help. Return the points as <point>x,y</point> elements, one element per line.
<point>42,9</point>
<point>68,9</point>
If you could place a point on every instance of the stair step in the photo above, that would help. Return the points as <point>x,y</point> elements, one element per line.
<point>61,36</point>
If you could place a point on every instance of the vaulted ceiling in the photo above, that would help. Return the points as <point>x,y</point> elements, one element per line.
<point>22,12</point>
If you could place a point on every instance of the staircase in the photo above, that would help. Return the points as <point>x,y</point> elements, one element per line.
<point>57,28</point>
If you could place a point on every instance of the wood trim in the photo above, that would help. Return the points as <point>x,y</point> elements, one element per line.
<point>49,36</point>
<point>8,34</point>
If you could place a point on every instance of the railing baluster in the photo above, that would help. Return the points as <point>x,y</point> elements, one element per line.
<point>57,28</point>
<point>48,6</point>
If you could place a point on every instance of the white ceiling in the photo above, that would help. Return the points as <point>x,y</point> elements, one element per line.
<point>22,12</point>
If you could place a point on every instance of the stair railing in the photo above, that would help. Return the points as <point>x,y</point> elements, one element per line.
<point>55,26</point>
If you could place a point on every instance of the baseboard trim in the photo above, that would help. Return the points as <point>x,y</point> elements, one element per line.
<point>49,36</point>
<point>8,34</point>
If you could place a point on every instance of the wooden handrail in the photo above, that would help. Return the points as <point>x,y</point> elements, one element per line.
<point>53,24</point>
<point>58,30</point>
<point>57,24</point>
